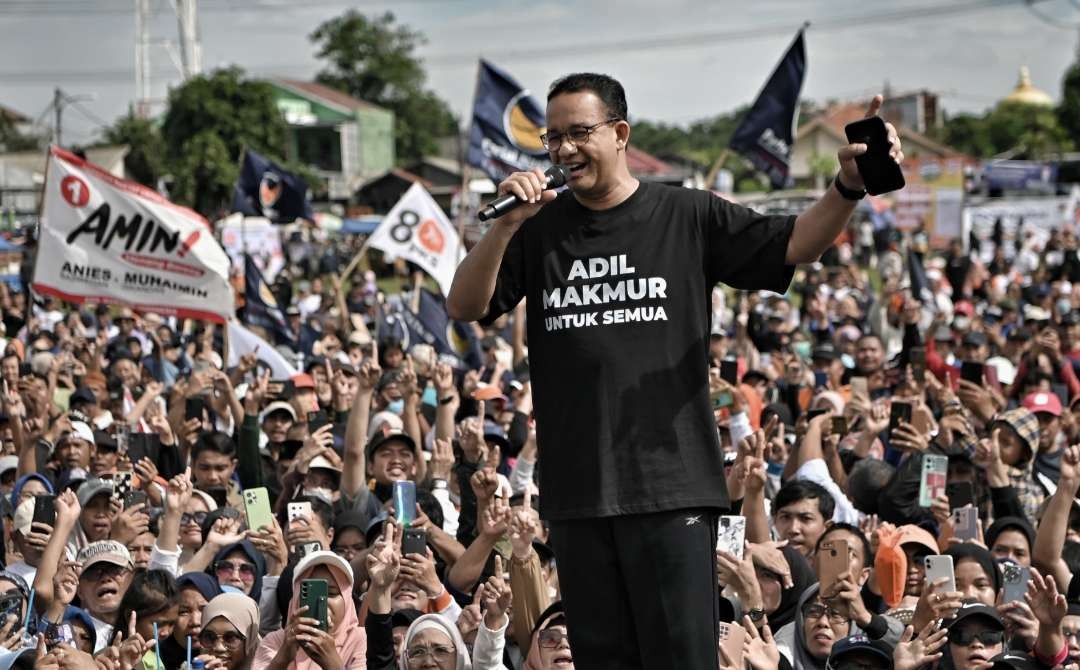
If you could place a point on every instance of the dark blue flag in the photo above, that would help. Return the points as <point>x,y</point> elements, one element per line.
<point>264,188</point>
<point>454,341</point>
<point>767,134</point>
<point>920,285</point>
<point>261,307</point>
<point>506,126</point>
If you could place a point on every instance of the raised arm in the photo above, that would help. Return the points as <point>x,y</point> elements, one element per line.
<point>67,515</point>
<point>448,401</point>
<point>354,475</point>
<point>410,417</point>
<point>1046,555</point>
<point>753,508</point>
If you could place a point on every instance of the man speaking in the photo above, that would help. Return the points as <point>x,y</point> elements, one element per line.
<point>618,275</point>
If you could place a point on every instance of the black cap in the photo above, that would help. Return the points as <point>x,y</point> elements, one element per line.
<point>82,395</point>
<point>105,441</point>
<point>859,643</point>
<point>404,618</point>
<point>976,609</point>
<point>119,354</point>
<point>314,362</point>
<point>974,339</point>
<point>344,367</point>
<point>351,519</point>
<point>825,352</point>
<point>1070,318</point>
<point>382,438</point>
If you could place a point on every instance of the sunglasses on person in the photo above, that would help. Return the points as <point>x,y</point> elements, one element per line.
<point>229,568</point>
<point>208,639</point>
<point>816,611</point>
<point>551,638</point>
<point>965,638</point>
<point>195,518</point>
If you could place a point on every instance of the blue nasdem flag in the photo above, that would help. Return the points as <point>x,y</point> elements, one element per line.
<point>454,341</point>
<point>767,134</point>
<point>506,126</point>
<point>261,307</point>
<point>264,188</point>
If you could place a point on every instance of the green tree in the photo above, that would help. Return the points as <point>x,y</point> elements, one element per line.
<point>1069,110</point>
<point>966,133</point>
<point>145,161</point>
<point>210,120</point>
<point>374,59</point>
<point>1032,130</point>
<point>11,139</point>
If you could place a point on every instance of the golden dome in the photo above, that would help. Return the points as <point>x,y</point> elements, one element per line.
<point>1025,93</point>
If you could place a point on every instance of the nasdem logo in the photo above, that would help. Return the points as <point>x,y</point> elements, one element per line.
<point>522,131</point>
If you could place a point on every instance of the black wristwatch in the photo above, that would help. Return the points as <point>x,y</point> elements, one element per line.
<point>756,615</point>
<point>847,193</point>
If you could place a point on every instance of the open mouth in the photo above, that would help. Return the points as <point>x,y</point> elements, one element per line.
<point>107,591</point>
<point>823,638</point>
<point>563,660</point>
<point>576,168</point>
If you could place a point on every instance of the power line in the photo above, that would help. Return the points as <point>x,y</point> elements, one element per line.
<point>1049,20</point>
<point>60,9</point>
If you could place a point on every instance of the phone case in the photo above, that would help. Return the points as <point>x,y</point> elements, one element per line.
<point>860,387</point>
<point>835,560</point>
<point>414,541</point>
<point>731,535</point>
<point>729,371</point>
<point>313,594</point>
<point>935,471</point>
<point>257,508</point>
<point>880,172</point>
<point>732,638</point>
<point>122,484</point>
<point>132,498</point>
<point>300,510</point>
<point>45,509</point>
<point>938,567</point>
<point>405,502</point>
<point>899,411</point>
<point>1016,578</point>
<point>965,522</point>
<point>960,494</point>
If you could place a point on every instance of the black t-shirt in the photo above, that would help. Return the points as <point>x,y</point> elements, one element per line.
<point>619,309</point>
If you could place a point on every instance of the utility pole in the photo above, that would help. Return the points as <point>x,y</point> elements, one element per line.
<point>187,16</point>
<point>142,58</point>
<point>58,109</point>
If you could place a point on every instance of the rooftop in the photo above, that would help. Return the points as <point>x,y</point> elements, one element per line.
<point>325,94</point>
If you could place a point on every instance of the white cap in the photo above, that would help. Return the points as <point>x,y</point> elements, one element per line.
<point>315,558</point>
<point>382,418</point>
<point>8,463</point>
<point>324,463</point>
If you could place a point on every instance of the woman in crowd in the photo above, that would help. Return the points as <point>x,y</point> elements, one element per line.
<point>229,636</point>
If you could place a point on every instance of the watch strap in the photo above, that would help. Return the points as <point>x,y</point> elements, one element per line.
<point>847,193</point>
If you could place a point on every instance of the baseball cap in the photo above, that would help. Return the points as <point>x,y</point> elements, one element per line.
<point>374,527</point>
<point>82,394</point>
<point>387,437</point>
<point>314,362</point>
<point>943,334</point>
<point>393,421</point>
<point>1043,402</point>
<point>976,609</point>
<point>359,338</point>
<point>105,551</point>
<point>488,392</point>
<point>825,352</point>
<point>302,381</point>
<point>1016,661</point>
<point>93,487</point>
<point>911,534</point>
<point>278,406</point>
<point>8,463</point>
<point>404,618</point>
<point>858,643</point>
<point>974,339</point>
<point>316,558</point>
<point>324,463</point>
<point>344,368</point>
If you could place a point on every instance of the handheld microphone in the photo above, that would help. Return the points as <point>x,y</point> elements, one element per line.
<point>556,177</point>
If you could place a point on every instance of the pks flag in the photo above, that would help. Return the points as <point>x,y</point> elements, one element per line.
<point>506,126</point>
<point>260,306</point>
<point>266,189</point>
<point>767,134</point>
<point>242,342</point>
<point>417,230</point>
<point>104,239</point>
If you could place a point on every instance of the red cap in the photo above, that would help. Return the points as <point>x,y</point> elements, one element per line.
<point>964,307</point>
<point>302,381</point>
<point>1043,402</point>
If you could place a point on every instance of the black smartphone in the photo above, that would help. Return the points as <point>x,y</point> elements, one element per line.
<point>45,509</point>
<point>729,371</point>
<point>316,420</point>
<point>414,541</point>
<point>132,498</point>
<point>143,445</point>
<point>193,408</point>
<point>972,372</point>
<point>220,494</point>
<point>960,494</point>
<point>289,449</point>
<point>839,426</point>
<point>880,173</point>
<point>274,389</point>
<point>814,413</point>
<point>917,361</point>
<point>900,411</point>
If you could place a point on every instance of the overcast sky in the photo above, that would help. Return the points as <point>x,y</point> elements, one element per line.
<point>680,60</point>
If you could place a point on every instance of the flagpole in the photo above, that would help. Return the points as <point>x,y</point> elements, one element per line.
<point>465,199</point>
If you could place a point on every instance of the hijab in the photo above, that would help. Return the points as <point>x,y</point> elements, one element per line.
<point>802,577</point>
<point>21,482</point>
<point>173,654</point>
<point>553,615</point>
<point>349,637</point>
<point>440,623</point>
<point>793,636</point>
<point>242,612</point>
<point>254,556</point>
<point>976,553</point>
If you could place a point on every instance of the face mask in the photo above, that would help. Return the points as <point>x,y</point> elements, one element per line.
<point>801,348</point>
<point>396,406</point>
<point>775,469</point>
<point>431,397</point>
<point>1064,306</point>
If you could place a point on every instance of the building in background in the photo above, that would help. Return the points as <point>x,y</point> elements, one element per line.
<point>344,140</point>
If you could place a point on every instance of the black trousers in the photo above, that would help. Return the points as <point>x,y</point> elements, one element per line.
<point>640,591</point>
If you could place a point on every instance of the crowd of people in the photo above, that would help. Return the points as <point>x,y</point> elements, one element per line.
<point>129,448</point>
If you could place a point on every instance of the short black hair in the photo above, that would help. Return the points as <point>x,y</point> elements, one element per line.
<point>803,489</point>
<point>865,483</point>
<point>216,441</point>
<point>608,89</point>
<point>868,551</point>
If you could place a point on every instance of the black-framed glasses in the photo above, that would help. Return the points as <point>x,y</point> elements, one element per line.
<point>816,611</point>
<point>965,638</point>
<point>439,652</point>
<point>551,638</point>
<point>196,518</point>
<point>578,136</point>
<point>208,639</point>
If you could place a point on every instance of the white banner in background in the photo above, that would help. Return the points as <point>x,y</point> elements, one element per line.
<point>104,239</point>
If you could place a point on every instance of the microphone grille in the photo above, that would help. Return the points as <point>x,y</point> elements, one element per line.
<point>557,175</point>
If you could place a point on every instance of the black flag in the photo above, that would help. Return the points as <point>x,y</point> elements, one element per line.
<point>261,307</point>
<point>264,188</point>
<point>767,134</point>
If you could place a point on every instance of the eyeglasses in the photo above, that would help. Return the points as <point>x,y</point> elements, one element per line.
<point>816,611</point>
<point>439,652</point>
<point>228,569</point>
<point>196,518</point>
<point>100,571</point>
<point>208,639</point>
<point>551,638</point>
<point>965,638</point>
<point>578,136</point>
